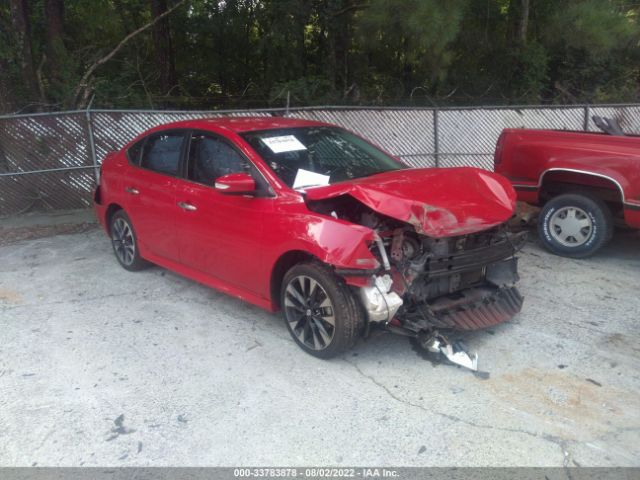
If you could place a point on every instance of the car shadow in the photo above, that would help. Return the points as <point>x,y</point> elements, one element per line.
<point>624,245</point>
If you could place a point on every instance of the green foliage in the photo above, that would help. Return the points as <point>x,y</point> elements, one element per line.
<point>412,35</point>
<point>308,90</point>
<point>250,53</point>
<point>594,47</point>
<point>595,26</point>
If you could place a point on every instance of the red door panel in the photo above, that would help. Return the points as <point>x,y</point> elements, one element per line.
<point>151,192</point>
<point>152,209</point>
<point>220,235</point>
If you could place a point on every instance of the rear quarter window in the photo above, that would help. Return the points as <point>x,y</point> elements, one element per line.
<point>134,152</point>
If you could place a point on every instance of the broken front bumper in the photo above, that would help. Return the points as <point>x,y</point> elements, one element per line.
<point>493,300</point>
<point>476,308</point>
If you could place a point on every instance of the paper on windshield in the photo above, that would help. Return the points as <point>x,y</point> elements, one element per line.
<point>284,143</point>
<point>306,178</point>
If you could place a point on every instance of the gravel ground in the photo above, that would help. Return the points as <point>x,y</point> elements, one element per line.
<point>99,366</point>
<point>34,225</point>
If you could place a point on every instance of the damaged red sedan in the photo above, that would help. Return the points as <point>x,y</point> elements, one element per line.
<point>312,219</point>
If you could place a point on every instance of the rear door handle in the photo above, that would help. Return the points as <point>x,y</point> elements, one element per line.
<point>132,191</point>
<point>187,206</point>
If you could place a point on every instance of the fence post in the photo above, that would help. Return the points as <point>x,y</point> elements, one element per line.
<point>92,145</point>
<point>436,144</point>
<point>585,122</point>
<point>286,112</point>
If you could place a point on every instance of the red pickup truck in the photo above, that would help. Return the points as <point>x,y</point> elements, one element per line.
<point>584,182</point>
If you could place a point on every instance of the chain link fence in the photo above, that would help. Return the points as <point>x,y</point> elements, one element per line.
<point>50,161</point>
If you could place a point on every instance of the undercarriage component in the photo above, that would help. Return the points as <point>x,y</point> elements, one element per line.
<point>379,302</point>
<point>445,267</point>
<point>471,309</point>
<point>448,263</point>
<point>403,247</point>
<point>435,342</point>
<point>383,253</point>
<point>503,273</point>
<point>487,311</point>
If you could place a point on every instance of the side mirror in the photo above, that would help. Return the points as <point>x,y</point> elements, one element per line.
<point>235,184</point>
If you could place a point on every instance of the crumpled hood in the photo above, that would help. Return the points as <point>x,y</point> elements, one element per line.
<point>438,202</point>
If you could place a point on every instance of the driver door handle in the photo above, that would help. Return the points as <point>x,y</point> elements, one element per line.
<point>187,206</point>
<point>132,191</point>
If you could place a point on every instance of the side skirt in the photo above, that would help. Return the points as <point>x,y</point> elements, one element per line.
<point>209,281</point>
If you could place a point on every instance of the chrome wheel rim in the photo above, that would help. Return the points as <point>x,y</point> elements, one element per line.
<point>571,226</point>
<point>123,243</point>
<point>309,312</point>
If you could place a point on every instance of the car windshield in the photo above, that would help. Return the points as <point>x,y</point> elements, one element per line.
<point>311,156</point>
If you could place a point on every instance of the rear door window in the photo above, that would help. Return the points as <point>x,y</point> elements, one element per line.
<point>162,152</point>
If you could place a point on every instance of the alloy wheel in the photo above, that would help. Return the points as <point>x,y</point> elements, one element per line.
<point>309,312</point>
<point>123,242</point>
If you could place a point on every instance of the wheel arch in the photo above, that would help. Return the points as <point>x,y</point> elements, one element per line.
<point>281,267</point>
<point>600,185</point>
<point>110,212</point>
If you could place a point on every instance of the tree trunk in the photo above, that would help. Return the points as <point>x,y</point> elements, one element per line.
<point>523,22</point>
<point>6,95</point>
<point>22,28</point>
<point>339,41</point>
<point>54,13</point>
<point>164,55</point>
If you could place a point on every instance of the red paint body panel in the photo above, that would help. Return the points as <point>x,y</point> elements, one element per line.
<point>437,202</point>
<point>528,157</point>
<point>233,242</point>
<point>154,210</point>
<point>223,237</point>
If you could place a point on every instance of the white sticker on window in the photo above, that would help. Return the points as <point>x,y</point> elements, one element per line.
<point>305,178</point>
<point>285,143</point>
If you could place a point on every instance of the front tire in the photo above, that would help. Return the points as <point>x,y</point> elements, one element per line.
<point>321,313</point>
<point>575,225</point>
<point>125,243</point>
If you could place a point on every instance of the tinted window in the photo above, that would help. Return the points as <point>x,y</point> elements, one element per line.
<point>162,152</point>
<point>210,158</point>
<point>134,152</point>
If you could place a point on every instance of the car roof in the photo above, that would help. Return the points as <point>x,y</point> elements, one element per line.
<point>242,124</point>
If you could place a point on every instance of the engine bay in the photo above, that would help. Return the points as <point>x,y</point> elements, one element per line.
<point>461,282</point>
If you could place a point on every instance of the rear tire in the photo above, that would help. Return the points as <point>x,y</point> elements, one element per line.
<point>321,314</point>
<point>575,225</point>
<point>125,243</point>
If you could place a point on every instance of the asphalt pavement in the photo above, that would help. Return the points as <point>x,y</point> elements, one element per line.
<point>103,367</point>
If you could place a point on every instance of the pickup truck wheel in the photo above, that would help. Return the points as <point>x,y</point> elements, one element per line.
<point>125,242</point>
<point>319,309</point>
<point>574,225</point>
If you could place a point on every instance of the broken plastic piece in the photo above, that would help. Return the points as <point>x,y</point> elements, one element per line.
<point>439,343</point>
<point>379,302</point>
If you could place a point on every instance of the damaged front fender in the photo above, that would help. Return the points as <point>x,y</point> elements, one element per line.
<point>338,243</point>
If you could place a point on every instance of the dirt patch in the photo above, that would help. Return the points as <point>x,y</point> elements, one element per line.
<point>578,407</point>
<point>9,296</point>
<point>17,234</point>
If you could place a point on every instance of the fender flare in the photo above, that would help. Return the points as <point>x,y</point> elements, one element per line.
<point>583,172</point>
